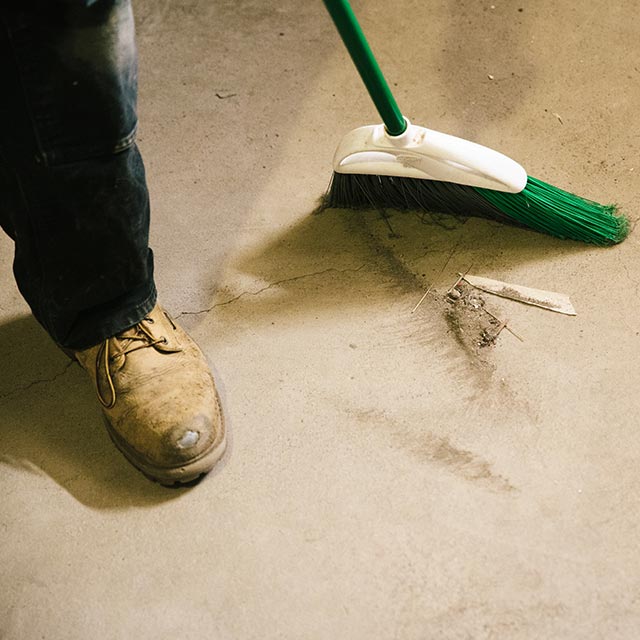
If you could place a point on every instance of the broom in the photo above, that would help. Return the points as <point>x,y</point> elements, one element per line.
<point>404,166</point>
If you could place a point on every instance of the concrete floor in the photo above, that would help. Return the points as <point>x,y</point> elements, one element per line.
<point>385,479</point>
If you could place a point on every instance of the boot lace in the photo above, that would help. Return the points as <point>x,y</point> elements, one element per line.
<point>134,339</point>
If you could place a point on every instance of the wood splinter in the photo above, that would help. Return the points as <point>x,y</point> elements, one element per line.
<point>503,325</point>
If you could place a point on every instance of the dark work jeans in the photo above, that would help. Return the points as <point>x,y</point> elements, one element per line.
<point>73,194</point>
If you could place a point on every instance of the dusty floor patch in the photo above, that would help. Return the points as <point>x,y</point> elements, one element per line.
<point>461,462</point>
<point>434,449</point>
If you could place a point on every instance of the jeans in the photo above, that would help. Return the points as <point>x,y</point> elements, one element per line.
<point>73,194</point>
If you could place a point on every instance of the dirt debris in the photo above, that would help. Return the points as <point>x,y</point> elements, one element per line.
<point>471,326</point>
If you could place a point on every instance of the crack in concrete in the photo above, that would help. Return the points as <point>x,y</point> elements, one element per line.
<point>269,286</point>
<point>19,390</point>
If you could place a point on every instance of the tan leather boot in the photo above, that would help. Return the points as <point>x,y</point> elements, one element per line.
<point>159,400</point>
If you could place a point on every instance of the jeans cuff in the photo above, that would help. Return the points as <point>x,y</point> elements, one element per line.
<point>116,322</point>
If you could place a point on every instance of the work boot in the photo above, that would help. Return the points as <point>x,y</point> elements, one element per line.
<point>159,400</point>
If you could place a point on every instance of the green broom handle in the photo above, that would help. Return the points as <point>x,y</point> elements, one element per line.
<point>368,68</point>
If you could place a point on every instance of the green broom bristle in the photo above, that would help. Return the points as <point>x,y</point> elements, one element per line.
<point>559,213</point>
<point>539,206</point>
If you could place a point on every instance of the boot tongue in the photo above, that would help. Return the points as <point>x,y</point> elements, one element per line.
<point>150,333</point>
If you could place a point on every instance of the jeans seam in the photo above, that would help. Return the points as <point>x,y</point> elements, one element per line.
<point>127,141</point>
<point>58,159</point>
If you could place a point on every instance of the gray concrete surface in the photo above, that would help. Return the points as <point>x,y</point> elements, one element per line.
<point>385,479</point>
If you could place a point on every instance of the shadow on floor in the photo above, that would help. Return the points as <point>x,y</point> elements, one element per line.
<point>350,259</point>
<point>50,424</point>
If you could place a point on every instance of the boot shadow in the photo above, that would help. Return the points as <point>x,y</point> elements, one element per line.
<point>51,425</point>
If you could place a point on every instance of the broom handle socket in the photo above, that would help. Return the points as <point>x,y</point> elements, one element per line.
<point>367,66</point>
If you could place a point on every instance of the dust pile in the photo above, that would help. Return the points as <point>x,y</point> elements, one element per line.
<point>468,321</point>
